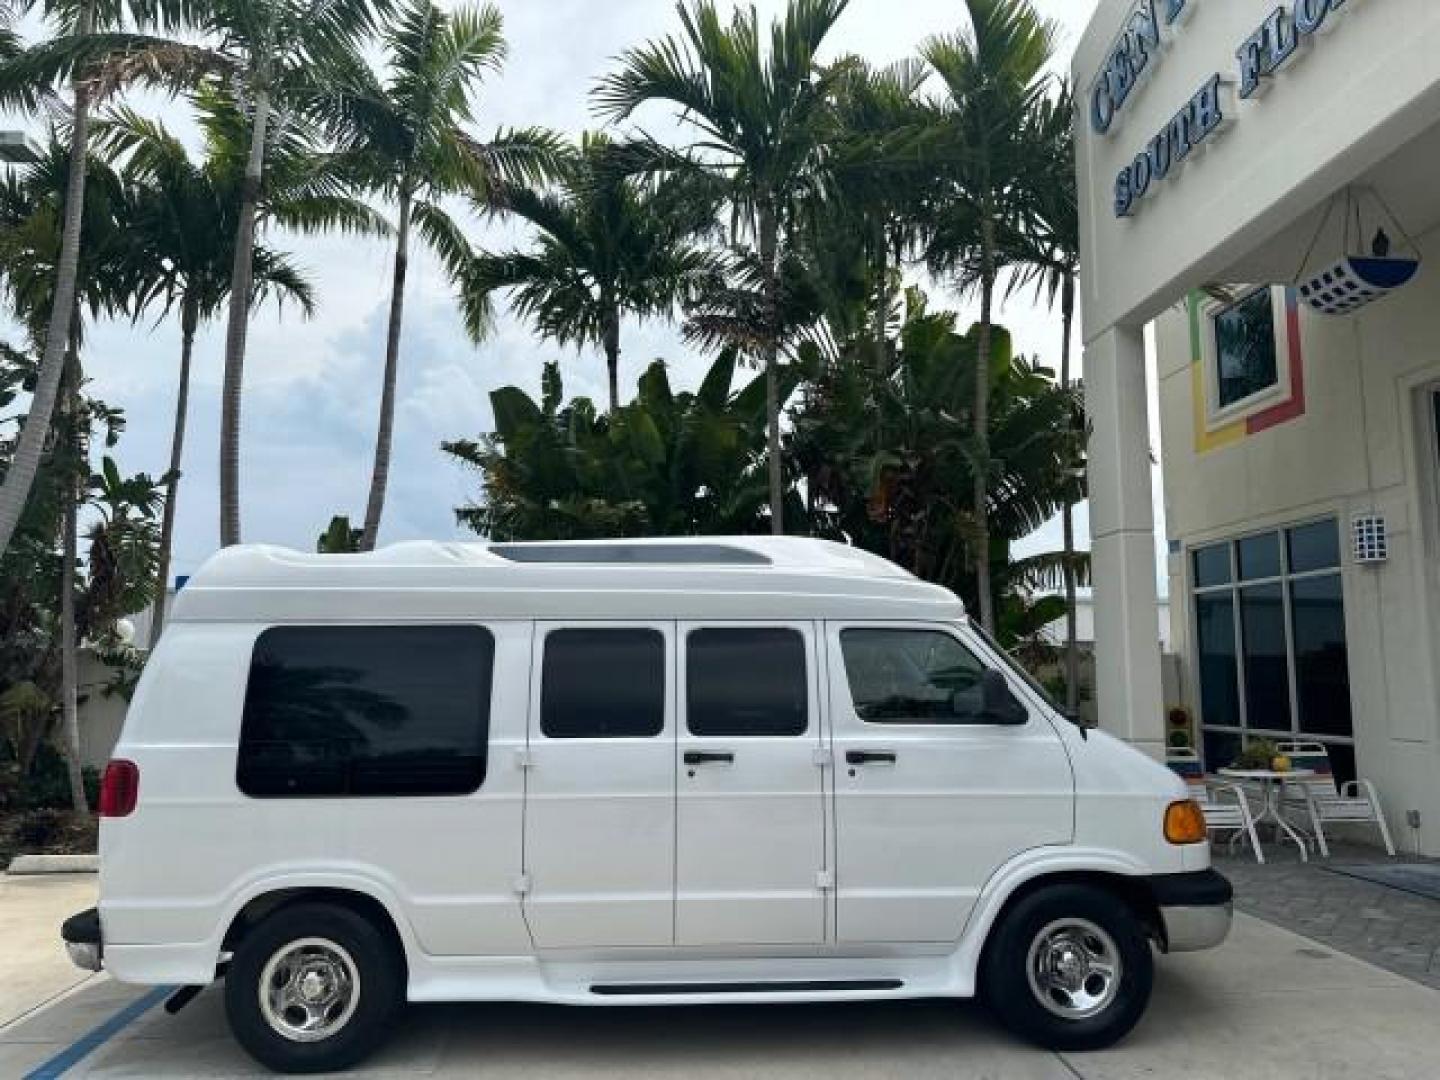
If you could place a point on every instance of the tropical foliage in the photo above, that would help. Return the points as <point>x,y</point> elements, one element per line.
<point>667,464</point>
<point>609,245</point>
<point>783,231</point>
<point>115,579</point>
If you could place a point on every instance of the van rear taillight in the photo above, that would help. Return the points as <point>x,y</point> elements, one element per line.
<point>119,789</point>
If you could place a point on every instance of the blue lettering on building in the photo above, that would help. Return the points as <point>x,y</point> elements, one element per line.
<point>1131,57</point>
<point>1274,44</point>
<point>1193,126</point>
<point>1278,39</point>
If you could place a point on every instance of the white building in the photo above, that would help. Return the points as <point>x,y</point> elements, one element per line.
<point>1231,154</point>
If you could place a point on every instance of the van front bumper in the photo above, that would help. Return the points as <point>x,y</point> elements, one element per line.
<point>1196,909</point>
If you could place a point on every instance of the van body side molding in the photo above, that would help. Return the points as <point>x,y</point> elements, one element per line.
<point>778,987</point>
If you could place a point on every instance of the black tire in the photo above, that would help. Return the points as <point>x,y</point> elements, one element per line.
<point>1065,915</point>
<point>358,1028</point>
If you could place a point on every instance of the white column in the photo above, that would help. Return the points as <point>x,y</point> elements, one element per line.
<point>1122,534</point>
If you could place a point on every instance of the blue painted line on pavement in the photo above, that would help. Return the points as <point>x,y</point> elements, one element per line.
<point>96,1037</point>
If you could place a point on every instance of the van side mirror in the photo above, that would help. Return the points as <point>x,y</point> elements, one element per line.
<point>1001,706</point>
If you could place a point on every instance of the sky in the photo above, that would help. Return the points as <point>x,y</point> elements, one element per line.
<point>312,386</point>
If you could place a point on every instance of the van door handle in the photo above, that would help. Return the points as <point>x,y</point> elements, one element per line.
<point>870,757</point>
<point>705,757</point>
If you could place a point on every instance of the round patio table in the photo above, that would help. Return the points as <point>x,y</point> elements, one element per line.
<point>1273,784</point>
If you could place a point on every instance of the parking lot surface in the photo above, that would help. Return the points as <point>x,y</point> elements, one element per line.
<point>1268,1004</point>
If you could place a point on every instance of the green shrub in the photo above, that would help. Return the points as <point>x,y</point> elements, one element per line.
<point>47,787</point>
<point>1258,754</point>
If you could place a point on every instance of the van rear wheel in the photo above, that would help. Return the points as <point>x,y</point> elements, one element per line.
<point>313,988</point>
<point>1069,968</point>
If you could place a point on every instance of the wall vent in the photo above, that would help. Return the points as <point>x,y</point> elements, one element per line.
<point>1371,539</point>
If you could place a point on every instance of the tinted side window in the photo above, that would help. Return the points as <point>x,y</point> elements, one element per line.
<point>746,682</point>
<point>352,711</point>
<point>912,677</point>
<point>603,684</point>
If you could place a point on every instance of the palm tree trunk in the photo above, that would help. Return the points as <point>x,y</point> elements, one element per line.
<point>881,314</point>
<point>189,318</point>
<point>69,661</point>
<point>769,248</point>
<point>241,276</point>
<point>612,354</point>
<point>981,495</point>
<point>20,477</point>
<point>1072,648</point>
<point>385,432</point>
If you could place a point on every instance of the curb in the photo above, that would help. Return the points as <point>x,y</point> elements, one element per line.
<point>27,865</point>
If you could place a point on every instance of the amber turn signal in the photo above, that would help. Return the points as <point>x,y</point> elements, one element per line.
<point>1185,823</point>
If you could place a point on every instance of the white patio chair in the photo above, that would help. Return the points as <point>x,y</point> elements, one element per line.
<point>1225,806</point>
<point>1323,801</point>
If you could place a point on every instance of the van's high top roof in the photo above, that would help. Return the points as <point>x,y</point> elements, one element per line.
<point>702,578</point>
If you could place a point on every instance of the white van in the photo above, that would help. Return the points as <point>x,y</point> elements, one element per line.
<point>626,773</point>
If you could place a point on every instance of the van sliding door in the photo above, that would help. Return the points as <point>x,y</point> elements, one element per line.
<point>600,786</point>
<point>750,827</point>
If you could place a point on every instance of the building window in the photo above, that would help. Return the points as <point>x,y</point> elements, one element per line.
<point>1270,638</point>
<point>365,711</point>
<point>1246,348</point>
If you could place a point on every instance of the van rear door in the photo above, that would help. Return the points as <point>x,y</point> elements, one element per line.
<point>751,863</point>
<point>600,786</point>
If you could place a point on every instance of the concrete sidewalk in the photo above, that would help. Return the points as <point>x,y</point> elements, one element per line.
<point>1269,1004</point>
<point>33,965</point>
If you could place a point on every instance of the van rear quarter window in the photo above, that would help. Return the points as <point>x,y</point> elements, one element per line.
<point>366,711</point>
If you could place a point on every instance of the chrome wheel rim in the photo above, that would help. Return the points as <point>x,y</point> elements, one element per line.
<point>1074,969</point>
<point>309,989</point>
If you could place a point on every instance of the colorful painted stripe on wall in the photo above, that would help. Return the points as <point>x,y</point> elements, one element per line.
<point>1207,438</point>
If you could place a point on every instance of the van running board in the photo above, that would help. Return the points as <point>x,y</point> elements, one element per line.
<point>836,986</point>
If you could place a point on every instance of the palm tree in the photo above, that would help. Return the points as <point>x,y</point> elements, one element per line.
<point>35,217</point>
<point>875,223</point>
<point>1043,246</point>
<point>993,76</point>
<point>760,120</point>
<point>178,254</point>
<point>405,139</point>
<point>608,246</point>
<point>20,477</point>
<point>280,59</point>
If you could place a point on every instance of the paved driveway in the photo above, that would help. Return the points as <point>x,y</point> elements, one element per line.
<point>1268,1004</point>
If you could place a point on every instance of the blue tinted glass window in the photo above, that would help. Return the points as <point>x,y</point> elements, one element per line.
<point>1259,556</point>
<point>1322,660</point>
<point>1245,348</point>
<point>1267,667</point>
<point>1314,547</point>
<point>1219,678</point>
<point>1212,566</point>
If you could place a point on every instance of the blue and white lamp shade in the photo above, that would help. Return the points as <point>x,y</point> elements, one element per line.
<point>1355,281</point>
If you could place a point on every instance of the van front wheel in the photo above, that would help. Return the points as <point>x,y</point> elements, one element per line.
<point>1069,968</point>
<point>313,988</point>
